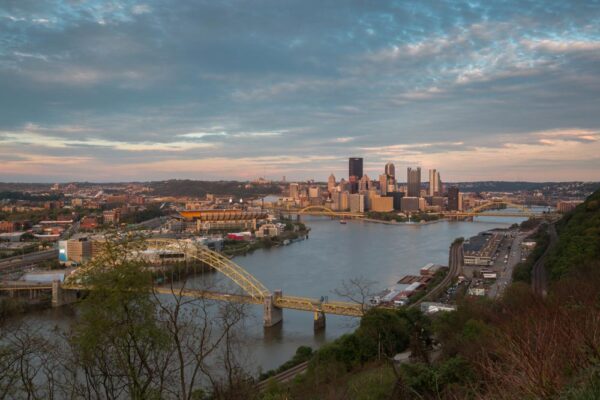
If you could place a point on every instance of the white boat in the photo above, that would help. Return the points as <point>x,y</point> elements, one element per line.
<point>343,221</point>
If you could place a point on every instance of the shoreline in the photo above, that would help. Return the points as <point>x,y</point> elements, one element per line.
<point>379,221</point>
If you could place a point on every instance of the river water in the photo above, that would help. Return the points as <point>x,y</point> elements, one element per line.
<point>334,252</point>
<point>317,266</point>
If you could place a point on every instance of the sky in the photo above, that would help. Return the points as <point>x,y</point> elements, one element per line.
<point>151,90</point>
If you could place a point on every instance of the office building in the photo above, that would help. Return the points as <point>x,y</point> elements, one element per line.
<point>438,201</point>
<point>357,203</point>
<point>383,184</point>
<point>344,200</point>
<point>435,188</point>
<point>413,179</point>
<point>454,203</point>
<point>331,183</point>
<point>409,204</point>
<point>382,204</point>
<point>355,172</point>
<point>294,190</point>
<point>397,199</point>
<point>355,167</point>
<point>340,200</point>
<point>364,184</point>
<point>77,250</point>
<point>314,192</point>
<point>112,216</point>
<point>390,170</point>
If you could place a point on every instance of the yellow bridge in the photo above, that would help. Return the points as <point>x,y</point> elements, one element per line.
<point>481,210</point>
<point>253,291</point>
<point>320,211</point>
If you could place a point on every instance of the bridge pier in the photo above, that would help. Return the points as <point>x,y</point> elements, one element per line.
<point>319,323</point>
<point>273,315</point>
<point>61,297</point>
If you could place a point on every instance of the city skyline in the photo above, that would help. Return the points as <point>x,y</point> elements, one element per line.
<point>139,91</point>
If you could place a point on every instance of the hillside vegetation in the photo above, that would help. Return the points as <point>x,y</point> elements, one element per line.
<point>186,187</point>
<point>579,233</point>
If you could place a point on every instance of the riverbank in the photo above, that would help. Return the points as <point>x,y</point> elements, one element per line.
<point>232,248</point>
<point>394,222</point>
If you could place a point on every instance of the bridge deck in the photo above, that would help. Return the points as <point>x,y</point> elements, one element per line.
<point>289,302</point>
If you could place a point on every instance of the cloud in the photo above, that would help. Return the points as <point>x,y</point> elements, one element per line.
<point>563,46</point>
<point>27,138</point>
<point>139,9</point>
<point>131,85</point>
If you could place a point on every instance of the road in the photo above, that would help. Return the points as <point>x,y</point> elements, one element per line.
<point>455,260</point>
<point>539,277</point>
<point>14,264</point>
<point>505,270</point>
<point>73,229</point>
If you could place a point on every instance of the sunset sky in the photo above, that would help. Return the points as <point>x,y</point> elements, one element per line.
<point>149,90</point>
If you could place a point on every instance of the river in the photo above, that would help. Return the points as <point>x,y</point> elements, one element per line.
<point>333,253</point>
<point>317,266</point>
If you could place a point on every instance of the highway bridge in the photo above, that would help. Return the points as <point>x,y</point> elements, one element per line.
<point>487,209</point>
<point>253,291</point>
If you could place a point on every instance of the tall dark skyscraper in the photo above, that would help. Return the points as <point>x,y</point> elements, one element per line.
<point>355,167</point>
<point>355,172</point>
<point>454,199</point>
<point>413,180</point>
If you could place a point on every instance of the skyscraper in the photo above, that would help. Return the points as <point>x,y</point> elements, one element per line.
<point>435,184</point>
<point>355,172</point>
<point>355,167</point>
<point>331,183</point>
<point>383,184</point>
<point>413,179</point>
<point>364,184</point>
<point>454,199</point>
<point>294,190</point>
<point>390,170</point>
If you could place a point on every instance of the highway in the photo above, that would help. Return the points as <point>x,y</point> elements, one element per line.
<point>17,263</point>
<point>505,270</point>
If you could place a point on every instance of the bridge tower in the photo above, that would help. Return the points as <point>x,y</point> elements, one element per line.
<point>272,314</point>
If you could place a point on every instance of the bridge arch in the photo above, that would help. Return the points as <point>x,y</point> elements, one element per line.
<point>322,209</point>
<point>242,278</point>
<point>483,207</point>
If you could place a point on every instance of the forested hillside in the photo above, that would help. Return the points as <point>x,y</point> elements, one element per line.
<point>186,187</point>
<point>579,234</point>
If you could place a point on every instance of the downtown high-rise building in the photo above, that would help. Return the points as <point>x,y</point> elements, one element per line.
<point>331,183</point>
<point>355,172</point>
<point>364,184</point>
<point>435,183</point>
<point>383,184</point>
<point>390,170</point>
<point>454,199</point>
<point>413,182</point>
<point>294,190</point>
